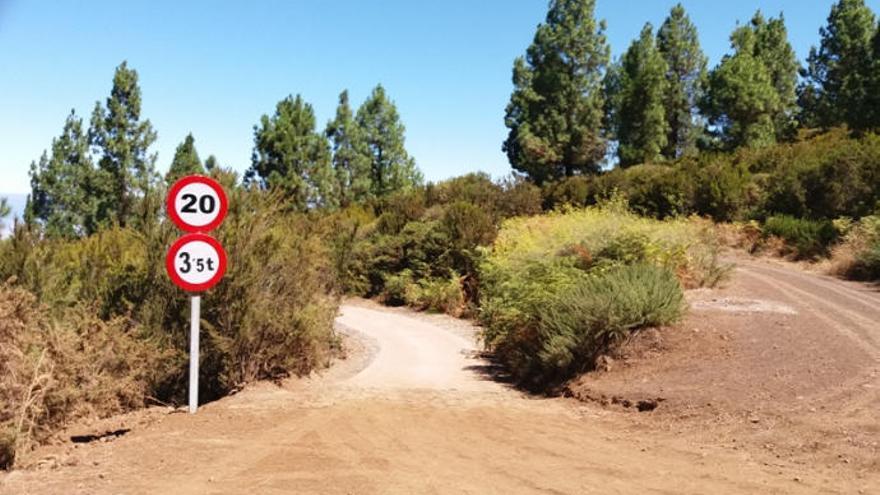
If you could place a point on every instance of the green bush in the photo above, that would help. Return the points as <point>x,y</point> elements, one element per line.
<point>559,288</point>
<point>805,238</point>
<point>572,327</point>
<point>436,294</point>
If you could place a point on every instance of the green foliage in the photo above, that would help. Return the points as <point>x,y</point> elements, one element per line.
<point>391,167</point>
<point>574,327</point>
<point>858,255</point>
<point>291,157</point>
<point>558,289</point>
<point>679,44</point>
<point>126,179</point>
<point>751,93</point>
<point>806,238</point>
<point>409,248</point>
<point>64,186</point>
<point>556,108</point>
<point>186,161</point>
<point>837,79</point>
<point>351,158</point>
<point>636,89</point>
<point>436,294</point>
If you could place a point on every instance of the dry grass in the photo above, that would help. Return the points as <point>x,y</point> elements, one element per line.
<point>55,371</point>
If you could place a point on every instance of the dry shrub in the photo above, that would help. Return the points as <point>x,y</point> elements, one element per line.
<point>55,371</point>
<point>858,256</point>
<point>272,315</point>
<point>437,294</point>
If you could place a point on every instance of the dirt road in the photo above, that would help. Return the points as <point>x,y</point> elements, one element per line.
<point>414,412</point>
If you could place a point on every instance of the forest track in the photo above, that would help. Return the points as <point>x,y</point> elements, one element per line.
<point>417,410</point>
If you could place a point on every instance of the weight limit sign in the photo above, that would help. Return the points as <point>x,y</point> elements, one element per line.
<point>196,262</point>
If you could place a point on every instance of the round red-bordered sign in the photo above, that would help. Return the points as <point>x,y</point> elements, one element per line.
<point>196,262</point>
<point>197,203</point>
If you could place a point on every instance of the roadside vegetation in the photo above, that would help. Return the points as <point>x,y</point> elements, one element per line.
<point>559,289</point>
<point>561,261</point>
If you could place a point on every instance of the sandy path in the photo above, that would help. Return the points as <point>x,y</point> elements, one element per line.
<point>415,417</point>
<point>414,354</point>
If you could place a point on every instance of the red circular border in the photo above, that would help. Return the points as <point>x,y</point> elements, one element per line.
<point>172,253</point>
<point>192,179</point>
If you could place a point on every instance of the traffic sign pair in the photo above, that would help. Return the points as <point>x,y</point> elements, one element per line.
<point>196,261</point>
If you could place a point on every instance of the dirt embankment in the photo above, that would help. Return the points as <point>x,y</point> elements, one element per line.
<point>783,359</point>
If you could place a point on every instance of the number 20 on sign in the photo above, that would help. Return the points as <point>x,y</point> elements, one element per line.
<point>196,261</point>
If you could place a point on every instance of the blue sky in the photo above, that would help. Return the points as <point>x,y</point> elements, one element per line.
<point>213,68</point>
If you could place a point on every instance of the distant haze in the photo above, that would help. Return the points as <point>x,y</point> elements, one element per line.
<point>16,202</point>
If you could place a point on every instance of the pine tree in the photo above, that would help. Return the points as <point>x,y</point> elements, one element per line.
<point>557,106</point>
<point>837,77</point>
<point>774,50</point>
<point>636,94</point>
<point>126,170</point>
<point>186,161</point>
<point>289,155</point>
<point>351,158</point>
<point>391,167</point>
<point>679,43</point>
<point>63,196</point>
<point>211,163</point>
<point>749,99</point>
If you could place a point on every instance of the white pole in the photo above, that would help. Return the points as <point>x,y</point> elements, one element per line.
<point>194,354</point>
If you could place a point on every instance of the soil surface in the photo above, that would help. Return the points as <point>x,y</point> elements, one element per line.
<point>770,385</point>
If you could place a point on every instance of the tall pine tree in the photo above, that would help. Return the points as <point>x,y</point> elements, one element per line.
<point>837,77</point>
<point>750,100</point>
<point>289,155</point>
<point>556,109</point>
<point>64,196</point>
<point>774,50</point>
<point>679,43</point>
<point>126,170</point>
<point>636,90</point>
<point>351,158</point>
<point>391,167</point>
<point>186,161</point>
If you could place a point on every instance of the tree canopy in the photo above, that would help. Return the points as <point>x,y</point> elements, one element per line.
<point>556,109</point>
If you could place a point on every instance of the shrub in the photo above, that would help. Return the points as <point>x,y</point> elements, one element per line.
<point>559,288</point>
<point>436,294</point>
<point>858,256</point>
<point>804,238</point>
<point>270,316</point>
<point>572,327</point>
<point>53,371</point>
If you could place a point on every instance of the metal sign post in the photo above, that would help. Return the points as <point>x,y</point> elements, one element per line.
<point>196,261</point>
<point>194,320</point>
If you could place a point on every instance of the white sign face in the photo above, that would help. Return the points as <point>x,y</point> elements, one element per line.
<point>196,262</point>
<point>197,204</point>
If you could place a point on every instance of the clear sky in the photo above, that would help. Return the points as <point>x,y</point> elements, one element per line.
<point>212,68</point>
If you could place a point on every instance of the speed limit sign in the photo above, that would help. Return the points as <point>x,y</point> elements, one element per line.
<point>196,262</point>
<point>197,203</point>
